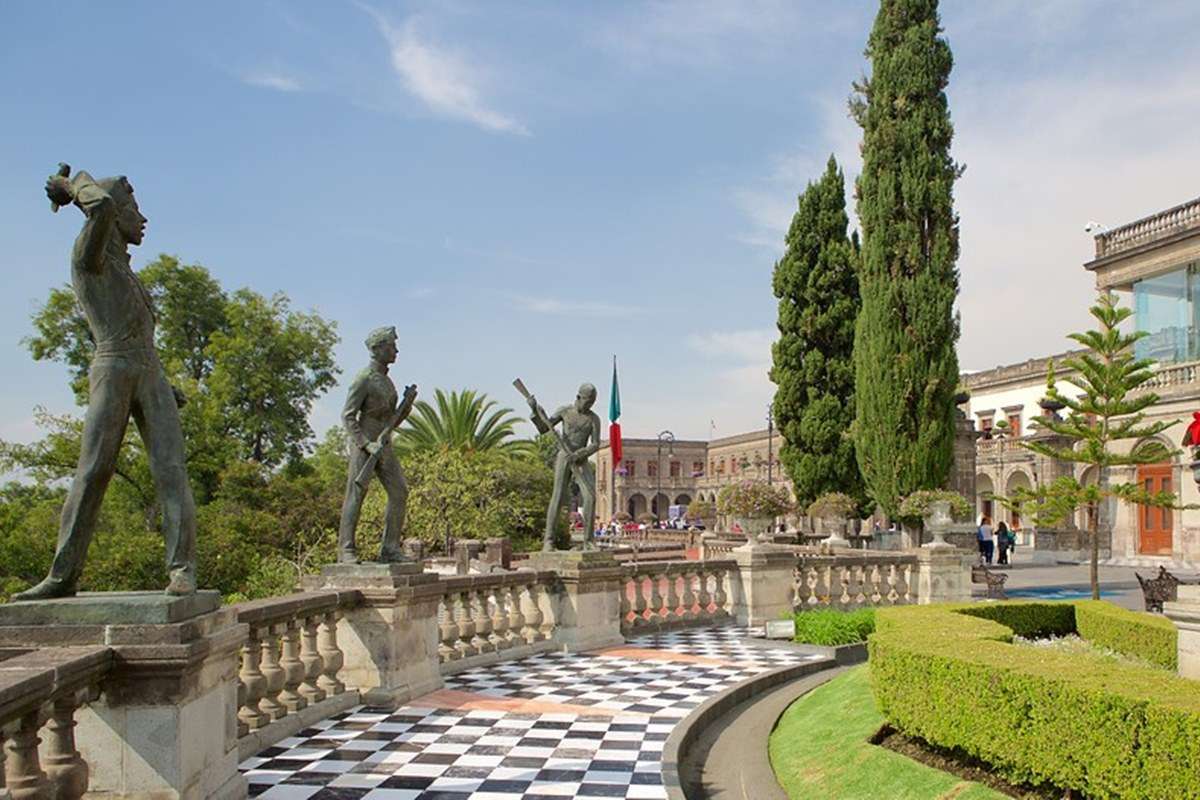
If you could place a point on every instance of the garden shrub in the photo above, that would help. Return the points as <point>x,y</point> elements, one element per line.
<point>830,627</point>
<point>949,675</point>
<point>1146,636</point>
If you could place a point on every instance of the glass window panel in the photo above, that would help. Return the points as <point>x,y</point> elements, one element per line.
<point>1162,307</point>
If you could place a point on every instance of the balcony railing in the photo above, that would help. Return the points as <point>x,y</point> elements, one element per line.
<point>1148,229</point>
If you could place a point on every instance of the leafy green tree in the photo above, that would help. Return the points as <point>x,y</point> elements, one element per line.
<point>269,365</point>
<point>906,369</point>
<point>817,287</point>
<point>465,420</point>
<point>1110,409</point>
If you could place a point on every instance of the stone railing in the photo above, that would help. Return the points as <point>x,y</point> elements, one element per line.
<point>1172,375</point>
<point>847,581</point>
<point>487,618</point>
<point>40,692</point>
<point>1148,229</point>
<point>290,662</point>
<point>669,594</point>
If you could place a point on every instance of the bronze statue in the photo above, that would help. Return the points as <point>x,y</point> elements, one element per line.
<point>370,415</point>
<point>577,443</point>
<point>126,379</point>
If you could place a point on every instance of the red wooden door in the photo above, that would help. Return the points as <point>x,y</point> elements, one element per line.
<point>1154,524</point>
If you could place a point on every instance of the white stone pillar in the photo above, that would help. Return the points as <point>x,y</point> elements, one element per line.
<point>1185,613</point>
<point>588,604</point>
<point>389,642</point>
<point>943,575</point>
<point>763,584</point>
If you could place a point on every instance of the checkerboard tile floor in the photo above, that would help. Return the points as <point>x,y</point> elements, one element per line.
<point>464,753</point>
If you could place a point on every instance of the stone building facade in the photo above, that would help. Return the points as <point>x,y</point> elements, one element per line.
<point>1154,263</point>
<point>651,478</point>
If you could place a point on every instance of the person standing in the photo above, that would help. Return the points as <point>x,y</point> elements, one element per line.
<point>1003,542</point>
<point>984,536</point>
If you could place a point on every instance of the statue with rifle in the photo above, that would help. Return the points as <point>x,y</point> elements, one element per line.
<point>373,410</point>
<point>578,441</point>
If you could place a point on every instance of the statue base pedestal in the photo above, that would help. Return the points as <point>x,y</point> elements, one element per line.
<point>389,641</point>
<point>165,722</point>
<point>589,605</point>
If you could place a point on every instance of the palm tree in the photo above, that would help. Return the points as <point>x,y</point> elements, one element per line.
<point>464,420</point>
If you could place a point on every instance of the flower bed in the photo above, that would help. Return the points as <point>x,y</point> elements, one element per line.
<point>951,676</point>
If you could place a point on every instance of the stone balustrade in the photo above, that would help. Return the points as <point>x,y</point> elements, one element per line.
<point>1149,229</point>
<point>1166,376</point>
<point>848,581</point>
<point>40,692</point>
<point>290,665</point>
<point>669,594</point>
<point>487,618</point>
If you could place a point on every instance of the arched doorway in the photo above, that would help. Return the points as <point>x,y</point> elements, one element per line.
<point>658,506</point>
<point>1155,525</point>
<point>985,506</point>
<point>683,500</point>
<point>636,505</point>
<point>1017,480</point>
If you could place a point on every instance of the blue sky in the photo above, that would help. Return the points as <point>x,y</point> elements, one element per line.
<point>525,189</point>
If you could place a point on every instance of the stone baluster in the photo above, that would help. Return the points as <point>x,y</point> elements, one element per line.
<point>626,606</point>
<point>447,630</point>
<point>310,658</point>
<point>499,635</point>
<point>482,640</point>
<point>703,597</point>
<point>673,601</point>
<point>827,585</point>
<point>871,588</point>
<point>293,668</point>
<point>532,609</point>
<point>466,628</point>
<point>516,619</point>
<point>66,770</point>
<point>639,599</point>
<point>26,781</point>
<point>332,657</point>
<point>687,599</point>
<point>273,673</point>
<point>549,613</point>
<point>720,596</point>
<point>253,686</point>
<point>656,598</point>
<point>906,583</point>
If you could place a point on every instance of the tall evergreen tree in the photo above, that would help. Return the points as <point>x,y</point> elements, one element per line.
<point>906,369</point>
<point>817,287</point>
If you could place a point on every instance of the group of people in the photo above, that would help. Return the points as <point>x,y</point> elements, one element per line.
<point>992,541</point>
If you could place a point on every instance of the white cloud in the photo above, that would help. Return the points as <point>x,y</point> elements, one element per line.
<point>752,345</point>
<point>443,79</point>
<point>269,79</point>
<point>557,306</point>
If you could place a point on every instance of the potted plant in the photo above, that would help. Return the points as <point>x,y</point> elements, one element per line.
<point>832,511</point>
<point>754,504</point>
<point>935,509</point>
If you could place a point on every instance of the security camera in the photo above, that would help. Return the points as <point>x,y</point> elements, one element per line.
<point>1094,227</point>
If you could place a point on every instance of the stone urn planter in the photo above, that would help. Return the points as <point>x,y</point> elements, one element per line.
<point>937,522</point>
<point>836,528</point>
<point>756,528</point>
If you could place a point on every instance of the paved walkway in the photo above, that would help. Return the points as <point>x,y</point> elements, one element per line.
<point>542,728</point>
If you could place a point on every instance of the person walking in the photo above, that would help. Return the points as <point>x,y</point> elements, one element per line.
<point>985,538</point>
<point>1004,538</point>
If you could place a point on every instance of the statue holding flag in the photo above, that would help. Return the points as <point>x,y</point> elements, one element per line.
<point>578,441</point>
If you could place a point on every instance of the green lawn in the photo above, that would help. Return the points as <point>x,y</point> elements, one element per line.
<point>820,751</point>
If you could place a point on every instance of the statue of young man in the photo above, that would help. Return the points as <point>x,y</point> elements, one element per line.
<point>578,442</point>
<point>370,415</point>
<point>126,379</point>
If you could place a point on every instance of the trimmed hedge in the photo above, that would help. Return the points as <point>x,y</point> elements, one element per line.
<point>830,627</point>
<point>950,675</point>
<point>1146,636</point>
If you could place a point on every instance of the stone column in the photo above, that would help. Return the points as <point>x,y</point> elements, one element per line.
<point>1185,613</point>
<point>763,586</point>
<point>389,642</point>
<point>588,600</point>
<point>165,723</point>
<point>943,575</point>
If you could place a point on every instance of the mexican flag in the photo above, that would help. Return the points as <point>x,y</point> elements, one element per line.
<point>614,414</point>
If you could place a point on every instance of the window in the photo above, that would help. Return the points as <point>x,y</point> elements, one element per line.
<point>651,469</point>
<point>676,469</point>
<point>985,425</point>
<point>630,467</point>
<point>697,469</point>
<point>721,467</point>
<point>1167,307</point>
<point>712,466</point>
<point>1014,424</point>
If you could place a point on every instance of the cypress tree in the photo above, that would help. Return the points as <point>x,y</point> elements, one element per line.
<point>817,287</point>
<point>906,369</point>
